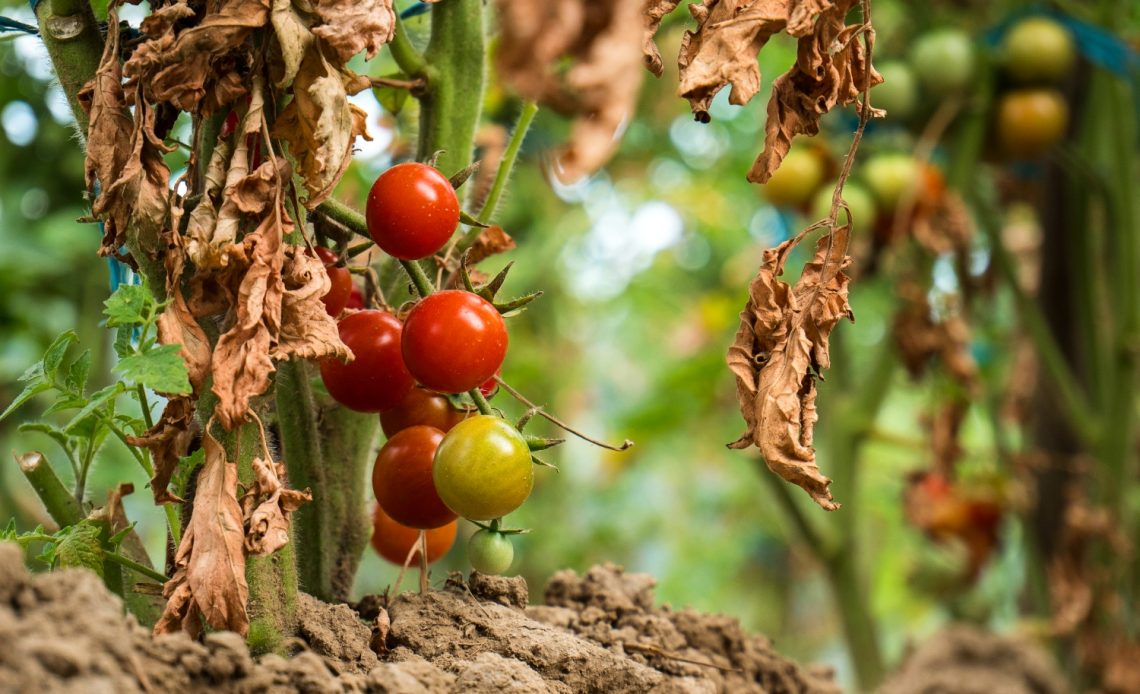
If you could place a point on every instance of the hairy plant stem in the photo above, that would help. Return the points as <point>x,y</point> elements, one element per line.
<point>71,35</point>
<point>327,450</point>
<point>63,508</point>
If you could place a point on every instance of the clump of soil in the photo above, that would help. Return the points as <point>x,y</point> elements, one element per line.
<point>63,632</point>
<point>966,660</point>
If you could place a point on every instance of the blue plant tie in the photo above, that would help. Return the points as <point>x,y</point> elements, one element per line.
<point>416,10</point>
<point>7,24</point>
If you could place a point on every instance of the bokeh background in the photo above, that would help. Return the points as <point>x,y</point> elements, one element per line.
<point>645,268</point>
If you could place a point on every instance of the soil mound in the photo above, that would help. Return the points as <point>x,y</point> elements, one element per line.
<point>63,632</point>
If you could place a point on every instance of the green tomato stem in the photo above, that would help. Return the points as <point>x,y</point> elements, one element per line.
<point>135,566</point>
<point>480,401</point>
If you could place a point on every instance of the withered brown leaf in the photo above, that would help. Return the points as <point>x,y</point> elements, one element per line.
<point>655,11</point>
<point>267,506</point>
<point>209,579</point>
<point>919,337</point>
<point>351,26</point>
<point>603,42</point>
<point>307,330</point>
<point>320,124</point>
<point>168,441</point>
<point>780,349</point>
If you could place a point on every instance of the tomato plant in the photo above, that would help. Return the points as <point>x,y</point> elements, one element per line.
<point>1031,121</point>
<point>943,61</point>
<point>483,468</point>
<point>1038,49</point>
<point>412,211</point>
<point>490,552</point>
<point>794,183</point>
<point>393,541</point>
<point>341,290</point>
<point>454,341</point>
<point>376,379</point>
<point>418,407</point>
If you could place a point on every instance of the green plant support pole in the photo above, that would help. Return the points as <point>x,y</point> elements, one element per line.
<point>327,451</point>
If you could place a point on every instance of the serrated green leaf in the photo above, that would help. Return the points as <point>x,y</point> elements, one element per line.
<point>129,305</point>
<point>118,537</point>
<point>53,357</point>
<point>30,391</point>
<point>123,346</point>
<point>80,423</point>
<point>35,372</point>
<point>64,403</point>
<point>52,431</point>
<point>79,547</point>
<point>161,369</point>
<point>9,532</point>
<point>78,372</point>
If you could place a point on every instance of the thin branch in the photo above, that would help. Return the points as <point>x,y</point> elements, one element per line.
<point>410,60</point>
<point>537,409</point>
<point>136,567</point>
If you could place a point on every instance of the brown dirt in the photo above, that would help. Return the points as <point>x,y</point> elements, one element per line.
<point>62,632</point>
<point>966,660</point>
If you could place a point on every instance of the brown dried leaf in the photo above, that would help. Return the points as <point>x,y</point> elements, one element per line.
<point>242,363</point>
<point>655,11</point>
<point>197,69</point>
<point>779,350</point>
<point>176,325</point>
<point>168,441</point>
<point>351,26</point>
<point>293,38</point>
<point>210,566</point>
<point>307,330</point>
<point>945,226</point>
<point>831,68</point>
<point>492,241</point>
<point>603,41</point>
<point>920,337</point>
<point>320,125</point>
<point>267,507</point>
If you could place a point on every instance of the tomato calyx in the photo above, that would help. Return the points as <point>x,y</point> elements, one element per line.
<point>495,526</point>
<point>489,290</point>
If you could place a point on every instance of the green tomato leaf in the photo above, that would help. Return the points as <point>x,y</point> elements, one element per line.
<point>55,433</point>
<point>123,347</point>
<point>53,357</point>
<point>79,547</point>
<point>77,374</point>
<point>64,403</point>
<point>9,533</point>
<point>30,391</point>
<point>161,369</point>
<point>129,305</point>
<point>82,423</point>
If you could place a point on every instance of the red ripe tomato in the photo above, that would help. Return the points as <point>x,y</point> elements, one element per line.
<point>393,541</point>
<point>377,378</point>
<point>355,299</point>
<point>454,341</point>
<point>337,298</point>
<point>412,211</point>
<point>421,407</point>
<point>402,479</point>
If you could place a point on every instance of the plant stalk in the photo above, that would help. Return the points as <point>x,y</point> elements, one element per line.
<point>63,508</point>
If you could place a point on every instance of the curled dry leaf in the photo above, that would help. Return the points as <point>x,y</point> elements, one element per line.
<point>209,578</point>
<point>919,337</point>
<point>945,226</point>
<point>779,352</point>
<point>176,325</point>
<point>319,123</point>
<point>307,330</point>
<point>492,241</point>
<point>168,441</point>
<point>655,11</point>
<point>603,40</point>
<point>351,26</point>
<point>267,506</point>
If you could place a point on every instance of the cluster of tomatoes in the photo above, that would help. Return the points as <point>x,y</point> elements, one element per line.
<point>440,461</point>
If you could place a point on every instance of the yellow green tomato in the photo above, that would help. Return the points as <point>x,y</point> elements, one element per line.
<point>943,60</point>
<point>891,176</point>
<point>1038,49</point>
<point>482,468</point>
<point>859,200</point>
<point>798,177</point>
<point>490,552</point>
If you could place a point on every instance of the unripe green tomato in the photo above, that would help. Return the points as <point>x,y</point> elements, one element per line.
<point>490,552</point>
<point>482,468</point>
<point>859,200</point>
<point>898,94</point>
<point>943,61</point>
<point>798,177</point>
<point>891,177</point>
<point>1038,49</point>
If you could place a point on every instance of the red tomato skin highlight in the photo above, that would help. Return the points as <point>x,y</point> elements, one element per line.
<point>377,379</point>
<point>454,341</point>
<point>412,211</point>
